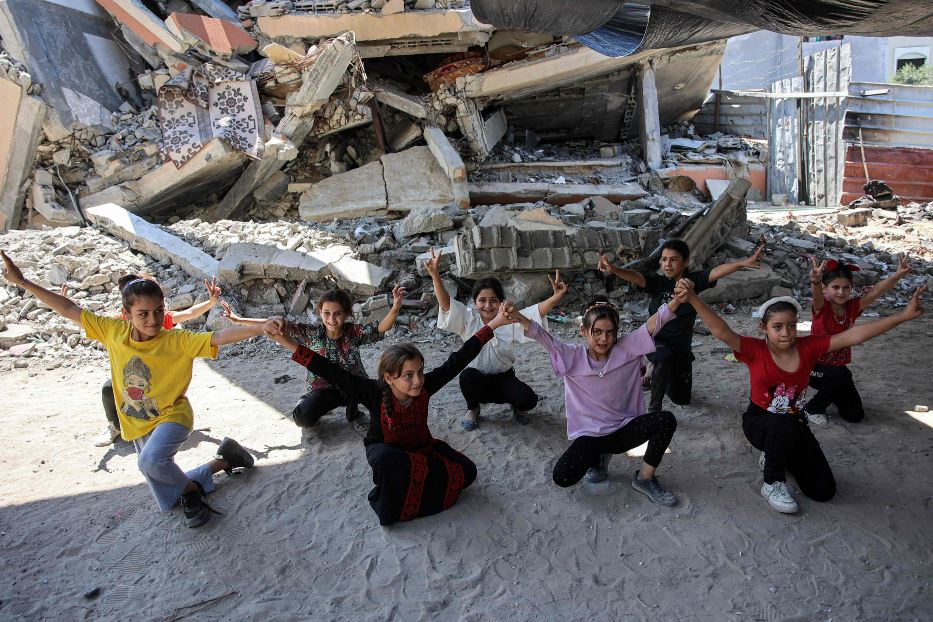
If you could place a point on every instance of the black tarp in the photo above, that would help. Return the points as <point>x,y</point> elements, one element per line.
<point>614,28</point>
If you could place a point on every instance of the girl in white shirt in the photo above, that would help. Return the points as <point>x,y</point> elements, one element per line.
<point>490,378</point>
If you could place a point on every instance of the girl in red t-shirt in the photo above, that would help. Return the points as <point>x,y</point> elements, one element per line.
<point>834,312</point>
<point>779,366</point>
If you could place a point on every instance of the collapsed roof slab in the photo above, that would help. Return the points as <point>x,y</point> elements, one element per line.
<point>167,187</point>
<point>374,27</point>
<point>144,23</point>
<point>502,193</point>
<point>70,49</point>
<point>21,118</point>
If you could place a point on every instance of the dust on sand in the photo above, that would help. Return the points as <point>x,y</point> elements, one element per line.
<point>298,540</point>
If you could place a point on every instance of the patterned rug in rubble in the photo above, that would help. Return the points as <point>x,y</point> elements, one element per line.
<point>207,102</point>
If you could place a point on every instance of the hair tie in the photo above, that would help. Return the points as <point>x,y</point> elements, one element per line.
<point>832,264</point>
<point>134,282</point>
<point>764,308</point>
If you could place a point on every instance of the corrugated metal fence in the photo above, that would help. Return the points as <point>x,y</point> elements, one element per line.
<point>738,114</point>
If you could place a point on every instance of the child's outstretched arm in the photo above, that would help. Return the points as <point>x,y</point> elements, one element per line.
<point>56,302</point>
<point>902,269</point>
<point>864,332</point>
<point>559,287</point>
<point>234,334</point>
<point>661,317</point>
<point>716,325</point>
<point>753,261</point>
<point>816,284</point>
<point>228,312</point>
<point>200,308</point>
<point>398,295</point>
<point>632,276</point>
<point>433,266</point>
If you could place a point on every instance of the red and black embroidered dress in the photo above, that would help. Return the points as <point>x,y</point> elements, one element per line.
<point>414,473</point>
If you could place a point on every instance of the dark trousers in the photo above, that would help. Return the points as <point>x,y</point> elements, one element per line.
<point>672,376</point>
<point>110,404</point>
<point>315,404</point>
<point>657,428</point>
<point>479,388</point>
<point>789,444</point>
<point>834,385</point>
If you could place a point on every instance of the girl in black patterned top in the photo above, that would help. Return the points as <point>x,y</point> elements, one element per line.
<point>414,473</point>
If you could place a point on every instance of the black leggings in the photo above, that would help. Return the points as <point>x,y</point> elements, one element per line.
<point>834,385</point>
<point>789,444</point>
<point>657,428</point>
<point>110,404</point>
<point>317,403</point>
<point>672,376</point>
<point>504,388</point>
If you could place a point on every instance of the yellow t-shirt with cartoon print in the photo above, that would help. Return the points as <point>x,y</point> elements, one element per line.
<point>150,378</point>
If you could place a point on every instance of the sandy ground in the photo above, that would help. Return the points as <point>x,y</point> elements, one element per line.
<point>298,539</point>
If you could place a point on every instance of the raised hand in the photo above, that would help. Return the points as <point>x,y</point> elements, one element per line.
<point>507,314</point>
<point>433,265</point>
<point>213,289</point>
<point>903,267</point>
<point>755,260</point>
<point>11,272</point>
<point>816,270</point>
<point>274,326</point>
<point>914,310</point>
<point>604,266</point>
<point>227,311</point>
<point>559,287</point>
<point>398,295</point>
<point>685,287</point>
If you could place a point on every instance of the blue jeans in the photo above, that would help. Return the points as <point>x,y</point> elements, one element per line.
<point>156,460</point>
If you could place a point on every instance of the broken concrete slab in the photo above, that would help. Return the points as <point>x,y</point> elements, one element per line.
<point>359,277</point>
<point>452,164</point>
<point>245,261</point>
<point>857,217</point>
<point>70,49</point>
<point>152,240</point>
<point>15,334</point>
<point>742,285</point>
<point>528,288</point>
<point>373,27</point>
<point>708,232</point>
<point>423,219</point>
<point>272,188</point>
<point>167,187</point>
<point>216,8</point>
<point>144,23</point>
<point>211,35</point>
<point>493,193</point>
<point>21,118</point>
<point>482,132</point>
<point>404,136</point>
<point>358,192</point>
<point>411,105</point>
<point>44,201</point>
<point>413,178</point>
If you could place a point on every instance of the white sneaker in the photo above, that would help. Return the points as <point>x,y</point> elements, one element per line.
<point>109,437</point>
<point>779,497</point>
<point>817,418</point>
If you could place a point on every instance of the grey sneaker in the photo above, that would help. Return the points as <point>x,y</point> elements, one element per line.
<point>816,418</point>
<point>779,497</point>
<point>653,490</point>
<point>234,454</point>
<point>599,473</point>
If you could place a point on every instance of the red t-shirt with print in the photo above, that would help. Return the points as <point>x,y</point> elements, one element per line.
<point>826,322</point>
<point>167,323</point>
<point>774,389</point>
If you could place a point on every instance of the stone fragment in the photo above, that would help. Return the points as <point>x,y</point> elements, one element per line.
<point>414,178</point>
<point>359,277</point>
<point>805,245</point>
<point>604,208</point>
<point>356,193</point>
<point>742,285</point>
<point>635,217</point>
<point>272,188</point>
<point>423,219</point>
<point>57,274</point>
<point>16,334</point>
<point>300,299</point>
<point>853,217</point>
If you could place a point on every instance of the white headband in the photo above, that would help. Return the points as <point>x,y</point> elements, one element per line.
<point>788,299</point>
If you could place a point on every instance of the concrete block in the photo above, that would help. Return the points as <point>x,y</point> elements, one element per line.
<point>635,217</point>
<point>742,285</point>
<point>356,193</point>
<point>853,217</point>
<point>451,163</point>
<point>16,334</point>
<point>423,219</point>
<point>222,37</point>
<point>272,188</point>
<point>526,289</point>
<point>604,208</point>
<point>359,277</point>
<point>153,240</point>
<point>739,247</point>
<point>804,245</point>
<point>502,259</point>
<point>448,256</point>
<point>413,178</point>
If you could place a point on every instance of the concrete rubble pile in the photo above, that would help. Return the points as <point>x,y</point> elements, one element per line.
<point>289,146</point>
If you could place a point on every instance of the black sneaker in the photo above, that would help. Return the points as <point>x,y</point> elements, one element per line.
<point>197,512</point>
<point>234,454</point>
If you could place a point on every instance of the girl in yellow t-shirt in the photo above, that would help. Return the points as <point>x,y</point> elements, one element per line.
<point>151,370</point>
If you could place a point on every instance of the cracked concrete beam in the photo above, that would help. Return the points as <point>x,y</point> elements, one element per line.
<point>152,240</point>
<point>483,133</point>
<point>409,104</point>
<point>318,84</point>
<point>451,163</point>
<point>20,133</point>
<point>493,193</point>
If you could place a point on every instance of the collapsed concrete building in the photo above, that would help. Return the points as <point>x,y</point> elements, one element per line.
<point>397,125</point>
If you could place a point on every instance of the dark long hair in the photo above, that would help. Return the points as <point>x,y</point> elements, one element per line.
<point>133,286</point>
<point>391,362</point>
<point>340,296</point>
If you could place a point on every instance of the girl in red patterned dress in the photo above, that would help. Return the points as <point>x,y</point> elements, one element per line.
<point>834,312</point>
<point>414,473</point>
